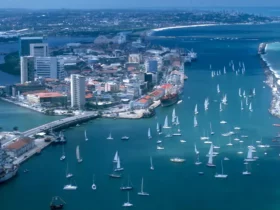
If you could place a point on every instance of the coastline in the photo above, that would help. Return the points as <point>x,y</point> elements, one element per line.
<point>273,81</point>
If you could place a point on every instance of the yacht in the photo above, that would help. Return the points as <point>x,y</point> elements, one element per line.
<point>197,162</point>
<point>86,138</point>
<point>195,124</point>
<point>70,187</point>
<point>166,123</point>
<point>239,92</point>
<point>142,193</point>
<point>195,110</point>
<point>127,204</point>
<point>229,144</point>
<point>128,186</point>
<point>246,173</point>
<point>160,147</point>
<point>110,137</point>
<point>236,128</point>
<point>149,134</point>
<point>125,138</point>
<point>218,88</point>
<point>195,149</point>
<point>63,157</point>
<point>78,156</point>
<point>119,168</point>
<point>177,160</point>
<point>250,156</point>
<point>250,107</point>
<point>182,141</point>
<point>159,141</point>
<point>116,157</point>
<point>211,131</point>
<point>241,104</point>
<point>93,186</point>
<point>221,107</point>
<point>68,175</point>
<point>222,175</point>
<point>151,163</point>
<point>223,122</point>
<point>210,161</point>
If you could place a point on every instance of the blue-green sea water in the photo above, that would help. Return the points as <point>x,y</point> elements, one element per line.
<point>171,186</point>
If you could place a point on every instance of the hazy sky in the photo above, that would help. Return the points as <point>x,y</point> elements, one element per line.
<point>95,4</point>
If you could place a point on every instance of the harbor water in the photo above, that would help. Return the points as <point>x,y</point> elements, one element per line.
<point>171,185</point>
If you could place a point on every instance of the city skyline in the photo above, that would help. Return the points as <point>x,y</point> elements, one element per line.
<point>125,4</point>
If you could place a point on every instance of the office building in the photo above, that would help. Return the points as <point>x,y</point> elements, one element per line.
<point>26,69</point>
<point>151,66</point>
<point>24,44</point>
<point>134,58</point>
<point>78,91</point>
<point>39,50</point>
<point>49,67</point>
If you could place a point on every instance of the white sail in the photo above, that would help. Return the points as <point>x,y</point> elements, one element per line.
<point>250,107</point>
<point>118,163</point>
<point>244,94</point>
<point>246,101</point>
<point>149,133</point>
<point>241,105</point>
<point>210,152</point>
<point>224,100</point>
<point>218,88</point>
<point>151,163</point>
<point>212,74</point>
<point>78,156</point>
<point>221,107</point>
<point>116,157</point>
<point>211,131</point>
<point>195,149</point>
<point>173,116</point>
<point>225,70</point>
<point>86,138</point>
<point>195,122</point>
<point>195,109</point>
<point>239,92</point>
<point>166,123</point>
<point>158,127</point>
<point>250,154</point>
<point>177,121</point>
<point>254,91</point>
<point>210,160</point>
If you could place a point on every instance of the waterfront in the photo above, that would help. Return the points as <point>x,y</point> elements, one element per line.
<point>170,185</point>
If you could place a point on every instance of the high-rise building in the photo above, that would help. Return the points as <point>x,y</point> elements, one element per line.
<point>39,50</point>
<point>26,69</point>
<point>24,44</point>
<point>151,66</point>
<point>49,67</point>
<point>78,91</point>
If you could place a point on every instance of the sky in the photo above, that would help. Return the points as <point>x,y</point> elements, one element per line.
<point>97,4</point>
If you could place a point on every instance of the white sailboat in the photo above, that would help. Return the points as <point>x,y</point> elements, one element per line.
<point>149,134</point>
<point>212,74</point>
<point>166,123</point>
<point>142,193</point>
<point>195,124</point>
<point>177,121</point>
<point>211,131</point>
<point>70,187</point>
<point>229,144</point>
<point>206,103</point>
<point>195,149</point>
<point>110,137</point>
<point>86,138</point>
<point>63,156</point>
<point>241,104</point>
<point>197,162</point>
<point>218,88</point>
<point>244,94</point>
<point>247,172</point>
<point>210,161</point>
<point>118,167</point>
<point>239,92</point>
<point>151,163</point>
<point>127,204</point>
<point>250,107</point>
<point>225,70</point>
<point>254,92</point>
<point>195,109</point>
<point>173,116</point>
<point>93,186</point>
<point>158,127</point>
<point>221,107</point>
<point>68,175</point>
<point>224,100</point>
<point>211,151</point>
<point>247,101</point>
<point>116,157</point>
<point>79,159</point>
<point>222,175</point>
<point>250,155</point>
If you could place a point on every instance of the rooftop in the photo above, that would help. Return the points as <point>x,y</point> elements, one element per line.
<point>21,142</point>
<point>48,95</point>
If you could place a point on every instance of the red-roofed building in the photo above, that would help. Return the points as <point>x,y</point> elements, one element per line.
<point>20,146</point>
<point>49,97</point>
<point>143,103</point>
<point>157,94</point>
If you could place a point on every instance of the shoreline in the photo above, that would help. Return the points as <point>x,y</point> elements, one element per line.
<point>273,81</point>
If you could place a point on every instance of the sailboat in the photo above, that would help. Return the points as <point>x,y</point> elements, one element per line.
<point>229,144</point>
<point>218,88</point>
<point>195,109</point>
<point>246,101</point>
<point>225,70</point>
<point>127,204</point>
<point>241,104</point>
<point>116,157</point>
<point>158,128</point>
<point>195,124</point>
<point>149,134</point>
<point>244,94</point>
<point>254,92</point>
<point>212,74</point>
<point>222,175</point>
<point>250,107</point>
<point>93,186</point>
<point>128,187</point>
<point>195,149</point>
<point>224,100</point>
<point>119,168</point>
<point>239,92</point>
<point>142,193</point>
<point>211,131</point>
<point>79,159</point>
<point>247,171</point>
<point>197,162</point>
<point>86,138</point>
<point>177,121</point>
<point>173,116</point>
<point>166,123</point>
<point>210,161</point>
<point>211,151</point>
<point>70,187</point>
<point>250,155</point>
<point>110,137</point>
<point>151,163</point>
<point>63,154</point>
<point>221,107</point>
<point>206,103</point>
<point>68,175</point>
